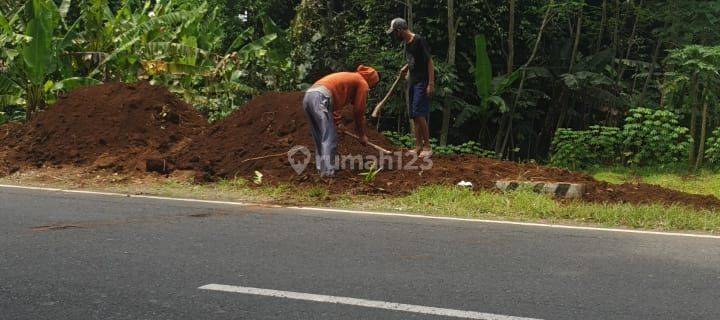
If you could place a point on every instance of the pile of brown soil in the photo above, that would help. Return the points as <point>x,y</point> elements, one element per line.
<point>142,127</point>
<point>6,137</point>
<point>266,128</point>
<point>258,136</point>
<point>641,193</point>
<point>114,126</point>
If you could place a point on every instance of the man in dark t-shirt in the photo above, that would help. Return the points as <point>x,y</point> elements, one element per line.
<point>422,81</point>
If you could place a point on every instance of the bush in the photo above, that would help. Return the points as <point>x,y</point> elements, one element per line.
<point>468,148</point>
<point>712,153</point>
<point>654,137</point>
<point>579,149</point>
<point>649,137</point>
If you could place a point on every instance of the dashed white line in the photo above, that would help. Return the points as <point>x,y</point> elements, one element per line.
<point>374,213</point>
<point>360,303</point>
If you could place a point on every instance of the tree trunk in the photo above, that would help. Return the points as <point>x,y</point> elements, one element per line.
<point>409,18</point>
<point>693,118</point>
<point>499,134</point>
<point>510,68</point>
<point>631,41</point>
<point>651,71</point>
<point>543,26</point>
<point>544,139</point>
<point>35,101</point>
<point>511,39</point>
<point>598,46</point>
<point>409,12</point>
<point>576,45</point>
<point>452,26</point>
<point>703,131</point>
<point>564,107</point>
<point>616,32</point>
<point>506,119</point>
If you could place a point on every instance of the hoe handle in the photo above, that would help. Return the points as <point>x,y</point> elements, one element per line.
<point>376,112</point>
<point>377,147</point>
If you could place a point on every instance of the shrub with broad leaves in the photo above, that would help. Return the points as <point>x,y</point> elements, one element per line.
<point>654,137</point>
<point>712,153</point>
<point>579,149</point>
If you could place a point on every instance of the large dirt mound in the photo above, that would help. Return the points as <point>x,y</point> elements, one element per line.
<point>115,125</point>
<point>268,125</point>
<point>258,136</point>
<point>143,127</point>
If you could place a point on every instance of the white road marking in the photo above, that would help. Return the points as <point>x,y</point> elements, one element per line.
<point>361,303</point>
<point>374,213</point>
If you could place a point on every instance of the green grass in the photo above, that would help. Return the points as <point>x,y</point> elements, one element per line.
<point>524,205</point>
<point>705,182</point>
<point>521,205</point>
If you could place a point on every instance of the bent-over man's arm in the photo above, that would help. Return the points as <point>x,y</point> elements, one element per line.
<point>359,106</point>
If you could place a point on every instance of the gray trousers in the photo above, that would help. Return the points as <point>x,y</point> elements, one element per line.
<point>318,108</point>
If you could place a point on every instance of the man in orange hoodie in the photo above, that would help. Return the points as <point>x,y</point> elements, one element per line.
<point>332,93</point>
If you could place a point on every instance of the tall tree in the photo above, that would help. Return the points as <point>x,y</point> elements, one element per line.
<point>603,22</point>
<point>452,27</point>
<point>511,37</point>
<point>549,12</point>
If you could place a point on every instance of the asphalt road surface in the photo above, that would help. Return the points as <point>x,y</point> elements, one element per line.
<point>81,256</point>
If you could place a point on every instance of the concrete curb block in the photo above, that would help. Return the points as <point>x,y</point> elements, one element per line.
<point>557,189</point>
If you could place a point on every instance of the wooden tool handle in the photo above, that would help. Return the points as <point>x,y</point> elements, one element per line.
<point>376,111</point>
<point>377,147</point>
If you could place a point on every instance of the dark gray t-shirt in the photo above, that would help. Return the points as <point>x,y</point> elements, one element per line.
<point>417,54</point>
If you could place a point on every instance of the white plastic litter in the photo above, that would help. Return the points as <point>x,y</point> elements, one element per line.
<point>466,184</point>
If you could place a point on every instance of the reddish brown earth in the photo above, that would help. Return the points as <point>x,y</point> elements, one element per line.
<point>114,126</point>
<point>138,128</point>
<point>271,125</point>
<point>268,125</point>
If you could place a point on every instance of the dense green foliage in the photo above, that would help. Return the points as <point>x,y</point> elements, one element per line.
<point>577,149</point>
<point>515,77</point>
<point>654,137</point>
<point>51,48</point>
<point>712,154</point>
<point>649,137</point>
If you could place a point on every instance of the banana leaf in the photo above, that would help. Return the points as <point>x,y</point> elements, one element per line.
<point>11,100</point>
<point>483,67</point>
<point>38,54</point>
<point>71,84</point>
<point>8,86</point>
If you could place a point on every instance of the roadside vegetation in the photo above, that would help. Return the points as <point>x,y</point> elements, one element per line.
<point>566,82</point>
<point>623,90</point>
<point>521,205</point>
<point>705,181</point>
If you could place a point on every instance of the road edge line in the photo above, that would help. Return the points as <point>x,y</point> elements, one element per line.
<point>374,213</point>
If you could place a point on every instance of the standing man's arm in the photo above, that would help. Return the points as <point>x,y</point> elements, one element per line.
<point>430,67</point>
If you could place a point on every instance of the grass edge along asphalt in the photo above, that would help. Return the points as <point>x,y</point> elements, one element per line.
<point>704,182</point>
<point>442,201</point>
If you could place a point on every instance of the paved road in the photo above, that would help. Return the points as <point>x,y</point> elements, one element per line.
<point>131,258</point>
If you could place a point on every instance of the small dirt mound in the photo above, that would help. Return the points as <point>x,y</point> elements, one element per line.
<point>111,126</point>
<point>631,193</point>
